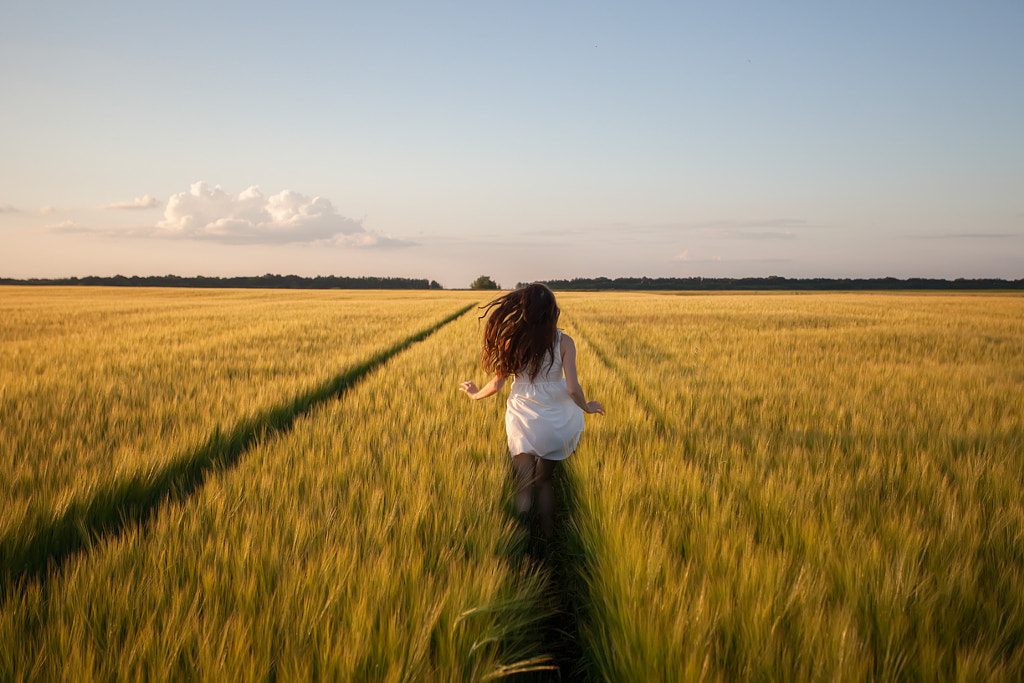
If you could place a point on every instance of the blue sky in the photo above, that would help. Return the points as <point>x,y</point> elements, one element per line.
<point>522,140</point>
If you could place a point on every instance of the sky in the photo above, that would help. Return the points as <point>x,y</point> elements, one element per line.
<point>525,141</point>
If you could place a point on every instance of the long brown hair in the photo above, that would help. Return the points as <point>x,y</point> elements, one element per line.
<point>520,331</point>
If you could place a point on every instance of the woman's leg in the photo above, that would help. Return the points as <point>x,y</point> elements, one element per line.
<point>546,495</point>
<point>523,464</point>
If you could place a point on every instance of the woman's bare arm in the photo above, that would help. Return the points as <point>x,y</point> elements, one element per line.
<point>489,389</point>
<point>568,349</point>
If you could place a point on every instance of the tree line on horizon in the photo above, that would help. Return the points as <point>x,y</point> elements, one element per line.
<point>268,281</point>
<point>774,282</point>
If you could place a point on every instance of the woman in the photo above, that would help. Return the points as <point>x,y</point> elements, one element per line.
<point>544,411</point>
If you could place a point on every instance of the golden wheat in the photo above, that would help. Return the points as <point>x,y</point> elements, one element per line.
<point>794,487</point>
<point>805,487</point>
<point>101,385</point>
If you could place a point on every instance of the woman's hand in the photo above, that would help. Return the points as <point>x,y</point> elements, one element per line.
<point>489,389</point>
<point>595,407</point>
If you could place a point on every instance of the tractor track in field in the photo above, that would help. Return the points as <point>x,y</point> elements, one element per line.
<point>40,553</point>
<point>661,420</point>
<point>570,564</point>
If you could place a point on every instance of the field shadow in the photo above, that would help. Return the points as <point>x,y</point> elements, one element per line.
<point>38,552</point>
<point>566,565</point>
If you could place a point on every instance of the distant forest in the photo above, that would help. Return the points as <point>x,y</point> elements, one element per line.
<point>267,281</point>
<point>270,281</point>
<point>775,283</point>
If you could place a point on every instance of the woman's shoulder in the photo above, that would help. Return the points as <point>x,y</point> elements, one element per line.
<point>565,341</point>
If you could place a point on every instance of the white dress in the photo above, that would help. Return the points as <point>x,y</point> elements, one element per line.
<point>540,417</point>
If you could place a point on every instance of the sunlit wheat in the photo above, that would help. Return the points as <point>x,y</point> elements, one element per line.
<point>785,487</point>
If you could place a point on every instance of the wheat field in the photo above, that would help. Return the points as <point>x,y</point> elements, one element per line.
<point>288,485</point>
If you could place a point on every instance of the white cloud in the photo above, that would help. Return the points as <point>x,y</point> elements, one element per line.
<point>685,256</point>
<point>203,213</point>
<point>144,202</point>
<point>67,227</point>
<point>214,215</point>
<point>763,229</point>
<point>8,208</point>
<point>966,236</point>
<point>368,240</point>
<point>755,234</point>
